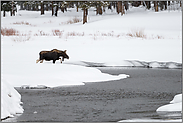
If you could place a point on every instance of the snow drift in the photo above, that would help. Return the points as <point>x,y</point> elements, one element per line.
<point>10,100</point>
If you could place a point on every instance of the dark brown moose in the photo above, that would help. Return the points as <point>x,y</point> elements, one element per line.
<point>52,55</point>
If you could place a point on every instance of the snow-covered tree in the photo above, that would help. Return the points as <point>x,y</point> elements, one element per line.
<point>9,6</point>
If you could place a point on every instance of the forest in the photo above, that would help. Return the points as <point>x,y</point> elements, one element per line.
<point>100,6</point>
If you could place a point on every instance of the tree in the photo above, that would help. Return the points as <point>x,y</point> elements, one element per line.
<point>126,5</point>
<point>52,8</point>
<point>42,7</point>
<point>156,6</point>
<point>9,6</point>
<point>98,5</point>
<point>63,6</point>
<point>5,6</point>
<point>148,4</point>
<point>120,7</point>
<point>85,5</point>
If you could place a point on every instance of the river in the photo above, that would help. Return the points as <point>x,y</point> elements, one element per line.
<point>135,97</point>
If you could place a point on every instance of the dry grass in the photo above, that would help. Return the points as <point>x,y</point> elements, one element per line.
<point>41,33</point>
<point>75,34</point>
<point>57,32</point>
<point>136,33</point>
<point>23,23</point>
<point>160,37</point>
<point>9,32</point>
<point>73,20</point>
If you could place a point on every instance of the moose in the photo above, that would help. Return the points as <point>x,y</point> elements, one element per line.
<point>52,55</point>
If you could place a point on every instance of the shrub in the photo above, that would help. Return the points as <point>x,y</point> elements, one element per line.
<point>23,23</point>
<point>57,32</point>
<point>9,32</point>
<point>137,33</point>
<point>73,20</point>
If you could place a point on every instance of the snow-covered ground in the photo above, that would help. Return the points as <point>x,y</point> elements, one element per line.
<point>10,100</point>
<point>104,40</point>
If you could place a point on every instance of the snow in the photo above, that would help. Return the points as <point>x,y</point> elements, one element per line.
<point>175,105</point>
<point>177,98</point>
<point>172,109</point>
<point>53,75</point>
<point>11,100</point>
<point>103,41</point>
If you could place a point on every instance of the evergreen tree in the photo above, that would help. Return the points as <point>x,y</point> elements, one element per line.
<point>5,6</point>
<point>63,6</point>
<point>9,6</point>
<point>99,5</point>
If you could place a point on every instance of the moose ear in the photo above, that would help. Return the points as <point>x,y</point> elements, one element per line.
<point>65,51</point>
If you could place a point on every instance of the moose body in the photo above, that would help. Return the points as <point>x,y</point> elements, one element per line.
<point>52,55</point>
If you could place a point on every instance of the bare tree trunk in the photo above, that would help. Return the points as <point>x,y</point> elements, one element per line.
<point>21,6</point>
<point>4,13</point>
<point>126,5</point>
<point>36,7</point>
<point>86,12</point>
<point>47,7</point>
<point>11,12</point>
<point>180,3</point>
<point>119,6</point>
<point>148,3</point>
<point>117,10</point>
<point>156,6</point>
<point>52,8</point>
<point>161,5</point>
<point>165,3</point>
<point>62,9</point>
<point>99,10</point>
<point>168,3</point>
<point>77,9</point>
<point>122,8</point>
<point>84,16</point>
<point>56,11</point>
<point>42,8</point>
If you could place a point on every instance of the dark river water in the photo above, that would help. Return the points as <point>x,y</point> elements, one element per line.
<point>135,97</point>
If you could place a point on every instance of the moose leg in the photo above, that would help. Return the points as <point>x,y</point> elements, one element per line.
<point>37,60</point>
<point>41,61</point>
<point>54,61</point>
<point>60,60</point>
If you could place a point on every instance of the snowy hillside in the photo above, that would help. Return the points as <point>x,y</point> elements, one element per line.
<point>105,40</point>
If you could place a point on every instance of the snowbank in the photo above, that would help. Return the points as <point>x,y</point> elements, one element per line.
<point>175,105</point>
<point>10,100</point>
<point>53,75</point>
